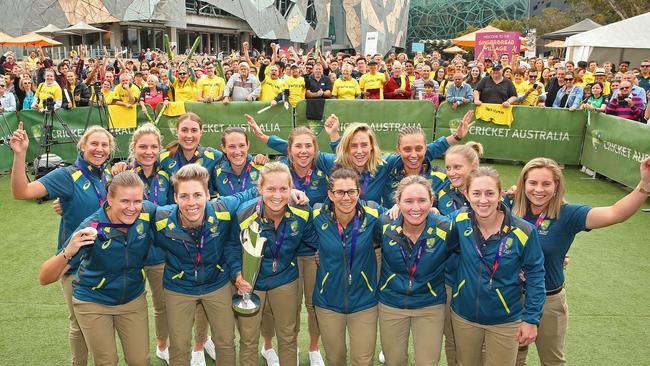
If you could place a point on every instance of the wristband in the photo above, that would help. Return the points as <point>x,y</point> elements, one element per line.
<point>456,137</point>
<point>642,190</point>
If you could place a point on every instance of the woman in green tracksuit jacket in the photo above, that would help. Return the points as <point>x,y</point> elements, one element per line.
<point>285,228</point>
<point>109,293</point>
<point>345,295</point>
<point>412,284</point>
<point>196,236</point>
<point>495,246</point>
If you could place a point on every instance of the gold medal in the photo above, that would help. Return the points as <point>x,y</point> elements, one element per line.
<point>275,265</point>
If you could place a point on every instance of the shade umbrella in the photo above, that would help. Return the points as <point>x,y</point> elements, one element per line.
<point>5,38</point>
<point>454,49</point>
<point>556,44</point>
<point>82,28</point>
<point>469,39</point>
<point>33,39</point>
<point>49,30</point>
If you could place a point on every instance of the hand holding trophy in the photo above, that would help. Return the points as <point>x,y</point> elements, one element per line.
<point>253,244</point>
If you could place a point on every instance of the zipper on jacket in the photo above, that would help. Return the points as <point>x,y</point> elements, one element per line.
<point>478,290</point>
<point>126,265</point>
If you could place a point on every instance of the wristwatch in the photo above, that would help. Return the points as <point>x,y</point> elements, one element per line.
<point>456,137</point>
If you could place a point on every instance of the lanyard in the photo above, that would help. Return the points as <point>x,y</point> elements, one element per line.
<point>86,174</point>
<point>495,265</point>
<point>246,175</point>
<point>418,256</point>
<point>456,199</point>
<point>296,181</point>
<point>280,236</point>
<point>539,220</point>
<point>353,242</point>
<point>199,247</point>
<point>364,185</point>
<point>156,184</point>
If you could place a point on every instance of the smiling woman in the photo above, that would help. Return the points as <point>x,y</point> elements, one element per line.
<point>81,189</point>
<point>108,293</point>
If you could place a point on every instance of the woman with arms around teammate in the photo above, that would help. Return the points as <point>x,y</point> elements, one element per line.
<point>495,246</point>
<point>199,251</point>
<point>539,199</point>
<point>310,170</point>
<point>81,189</point>
<point>109,293</point>
<point>144,149</point>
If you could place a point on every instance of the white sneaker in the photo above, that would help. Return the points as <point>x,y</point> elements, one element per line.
<point>163,355</point>
<point>208,347</point>
<point>198,358</point>
<point>315,359</point>
<point>270,356</point>
<point>382,359</point>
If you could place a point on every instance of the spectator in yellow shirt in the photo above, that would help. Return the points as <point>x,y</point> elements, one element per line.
<point>271,85</point>
<point>601,77</point>
<point>372,83</point>
<point>530,96</point>
<point>48,89</point>
<point>184,87</point>
<point>346,87</point>
<point>294,88</point>
<point>210,87</point>
<point>126,93</point>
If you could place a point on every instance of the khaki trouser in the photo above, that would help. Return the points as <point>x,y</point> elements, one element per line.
<point>551,332</point>
<point>500,342</point>
<point>99,323</point>
<point>362,327</point>
<point>155,279</point>
<point>307,268</point>
<point>181,310</point>
<point>78,346</point>
<point>283,303</point>
<point>426,324</point>
<point>200,324</point>
<point>450,345</point>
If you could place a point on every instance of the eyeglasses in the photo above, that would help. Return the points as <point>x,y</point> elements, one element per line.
<point>645,65</point>
<point>568,79</point>
<point>532,76</point>
<point>339,193</point>
<point>624,87</point>
<point>182,73</point>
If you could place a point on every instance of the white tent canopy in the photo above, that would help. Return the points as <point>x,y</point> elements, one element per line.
<point>616,42</point>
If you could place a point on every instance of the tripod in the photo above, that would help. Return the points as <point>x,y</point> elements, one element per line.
<point>102,110</point>
<point>5,131</point>
<point>47,141</point>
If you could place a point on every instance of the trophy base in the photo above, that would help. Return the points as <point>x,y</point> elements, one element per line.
<point>248,306</point>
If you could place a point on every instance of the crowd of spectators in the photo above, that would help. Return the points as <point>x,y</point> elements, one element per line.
<point>289,76</point>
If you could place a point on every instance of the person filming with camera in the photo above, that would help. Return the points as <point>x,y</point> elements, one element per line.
<point>624,104</point>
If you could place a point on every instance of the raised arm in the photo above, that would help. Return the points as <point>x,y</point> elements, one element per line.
<point>625,207</point>
<point>53,268</point>
<point>21,188</point>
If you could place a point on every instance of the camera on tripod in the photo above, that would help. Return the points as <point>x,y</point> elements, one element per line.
<point>48,103</point>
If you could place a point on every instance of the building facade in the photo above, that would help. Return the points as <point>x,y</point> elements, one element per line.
<point>221,24</point>
<point>445,19</point>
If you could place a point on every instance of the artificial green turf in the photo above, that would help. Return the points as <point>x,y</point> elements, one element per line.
<point>606,285</point>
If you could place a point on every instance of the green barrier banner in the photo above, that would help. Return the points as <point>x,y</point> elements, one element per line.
<point>8,124</point>
<point>614,147</point>
<point>553,133</point>
<point>216,117</point>
<point>384,117</point>
<point>75,119</point>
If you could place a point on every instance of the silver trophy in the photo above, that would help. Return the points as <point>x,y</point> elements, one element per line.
<point>253,245</point>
